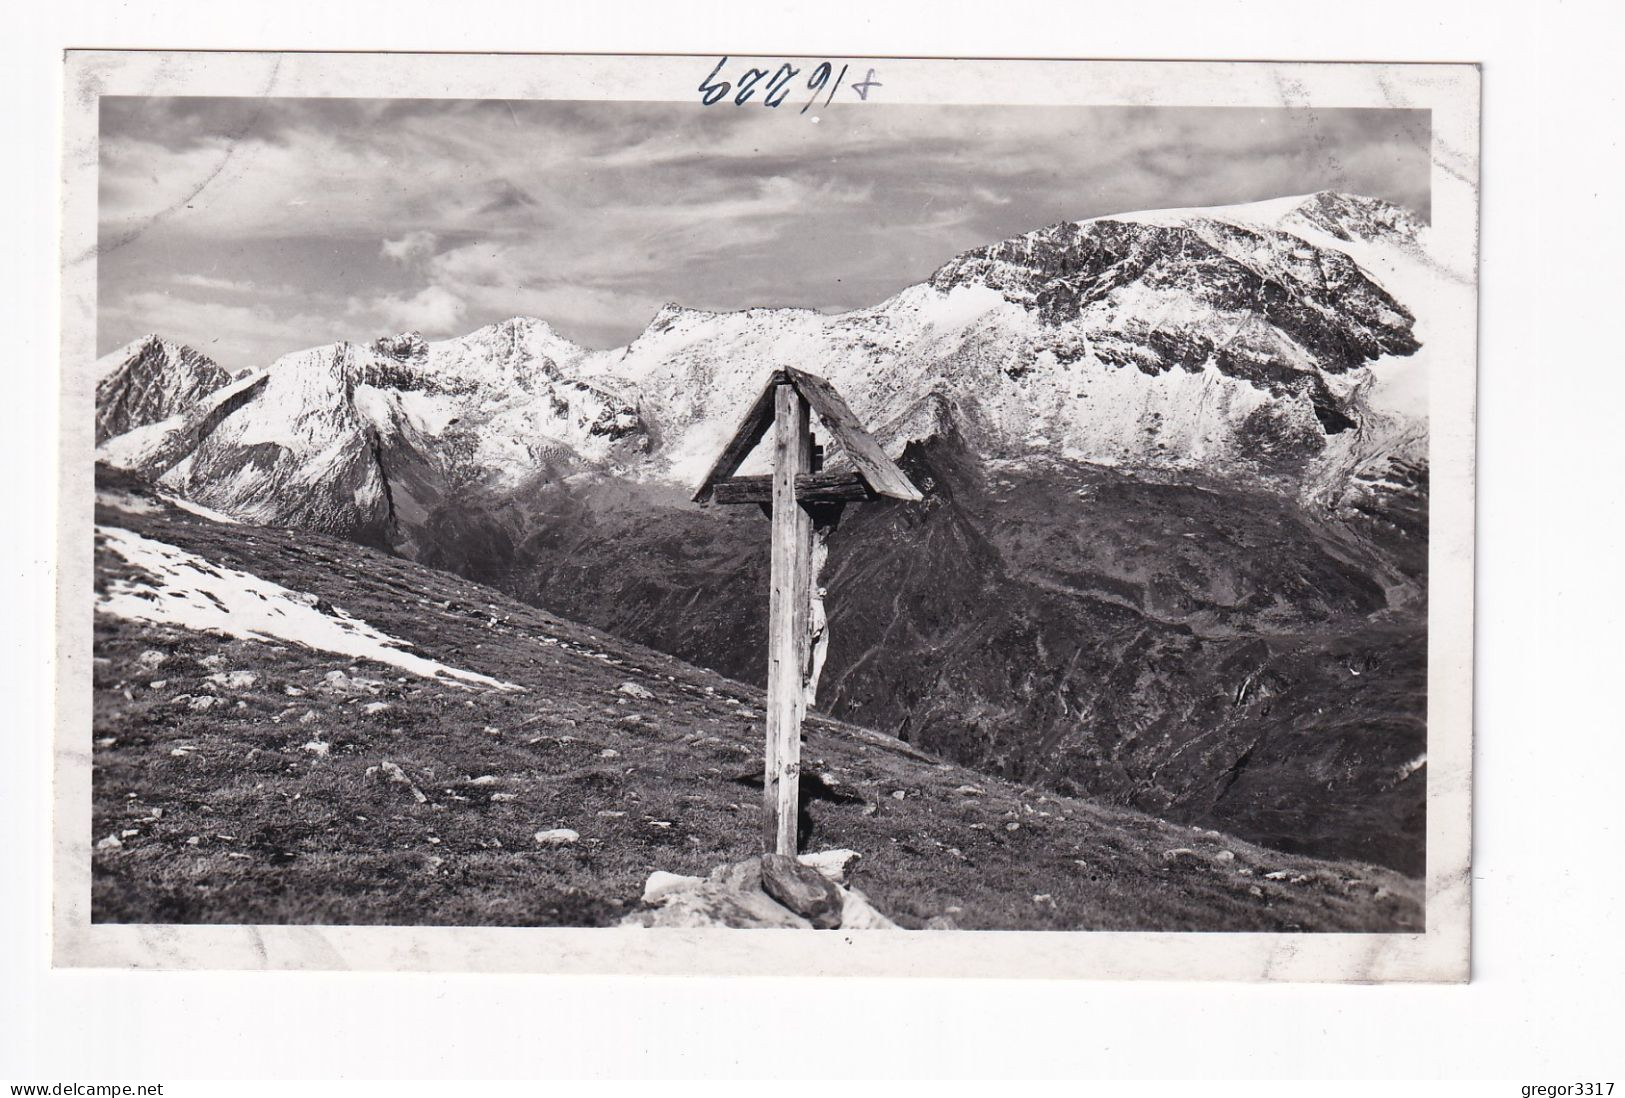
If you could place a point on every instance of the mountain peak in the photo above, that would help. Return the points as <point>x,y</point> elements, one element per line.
<point>518,326</point>
<point>406,346</point>
<point>150,379</point>
<point>148,342</point>
<point>524,324</point>
<point>1356,217</point>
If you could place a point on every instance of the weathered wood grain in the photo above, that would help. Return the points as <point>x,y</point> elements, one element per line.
<point>751,430</point>
<point>789,603</point>
<point>881,472</point>
<point>833,487</point>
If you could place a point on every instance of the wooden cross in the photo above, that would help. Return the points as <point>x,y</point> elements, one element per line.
<point>805,503</point>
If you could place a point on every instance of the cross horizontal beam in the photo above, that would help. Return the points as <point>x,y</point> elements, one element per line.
<point>834,487</point>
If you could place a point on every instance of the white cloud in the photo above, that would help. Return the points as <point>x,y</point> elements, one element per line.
<point>231,334</point>
<point>418,244</point>
<point>517,279</point>
<point>235,287</point>
<point>433,310</point>
<point>210,282</point>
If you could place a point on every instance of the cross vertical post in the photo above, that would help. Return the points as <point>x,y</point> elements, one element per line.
<point>789,607</point>
<point>804,502</point>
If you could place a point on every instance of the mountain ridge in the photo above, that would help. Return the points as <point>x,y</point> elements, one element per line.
<point>1228,322</point>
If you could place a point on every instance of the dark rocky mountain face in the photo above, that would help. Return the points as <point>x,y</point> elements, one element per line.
<point>1259,304</point>
<point>149,381</point>
<point>1316,298</point>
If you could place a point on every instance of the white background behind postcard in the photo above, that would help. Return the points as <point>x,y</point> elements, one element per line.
<point>1546,857</point>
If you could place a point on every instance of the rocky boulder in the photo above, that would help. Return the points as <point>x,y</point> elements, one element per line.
<point>771,891</point>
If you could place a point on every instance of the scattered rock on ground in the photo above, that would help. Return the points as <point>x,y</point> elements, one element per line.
<point>662,884</point>
<point>802,889</point>
<point>558,836</point>
<point>833,864</point>
<point>633,690</point>
<point>857,913</point>
<point>393,773</point>
<point>732,901</point>
<point>735,895</point>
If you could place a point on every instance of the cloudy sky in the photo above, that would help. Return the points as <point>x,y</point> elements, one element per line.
<point>253,227</point>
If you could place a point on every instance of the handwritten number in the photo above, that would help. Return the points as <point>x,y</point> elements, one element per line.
<point>837,86</point>
<point>816,81</point>
<point>779,85</point>
<point>777,90</point>
<point>711,93</point>
<point>747,85</point>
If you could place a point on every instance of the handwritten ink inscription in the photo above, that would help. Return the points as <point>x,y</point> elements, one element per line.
<point>772,88</point>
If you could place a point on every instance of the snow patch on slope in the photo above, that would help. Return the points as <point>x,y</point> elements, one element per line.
<point>188,591</point>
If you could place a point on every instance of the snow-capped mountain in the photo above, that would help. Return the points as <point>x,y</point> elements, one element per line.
<point>1240,340</point>
<point>150,379</point>
<point>1270,342</point>
<point>365,440</point>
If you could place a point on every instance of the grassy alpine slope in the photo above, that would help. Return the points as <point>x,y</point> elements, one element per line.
<point>253,780</point>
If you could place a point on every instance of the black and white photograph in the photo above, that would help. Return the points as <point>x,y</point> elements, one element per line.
<point>947,547</point>
<point>787,502</point>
